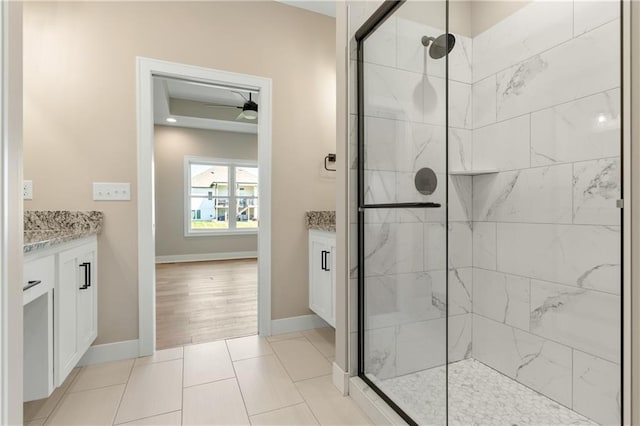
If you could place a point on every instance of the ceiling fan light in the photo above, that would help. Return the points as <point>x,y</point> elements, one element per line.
<point>250,114</point>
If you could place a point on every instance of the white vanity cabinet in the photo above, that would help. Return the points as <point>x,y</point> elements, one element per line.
<point>322,274</point>
<point>76,307</point>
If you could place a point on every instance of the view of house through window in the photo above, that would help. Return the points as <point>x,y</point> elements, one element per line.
<point>223,195</point>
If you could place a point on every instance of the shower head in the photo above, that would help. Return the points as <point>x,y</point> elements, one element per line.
<point>440,46</point>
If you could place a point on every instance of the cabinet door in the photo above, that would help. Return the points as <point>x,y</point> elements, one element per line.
<point>86,301</point>
<point>65,325</point>
<point>320,292</point>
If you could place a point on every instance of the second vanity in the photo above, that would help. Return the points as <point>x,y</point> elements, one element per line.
<point>59,295</point>
<point>322,271</point>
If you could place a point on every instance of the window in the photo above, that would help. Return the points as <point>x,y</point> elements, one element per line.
<point>221,196</point>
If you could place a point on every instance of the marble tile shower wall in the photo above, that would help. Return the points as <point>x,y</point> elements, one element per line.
<point>546,232</point>
<point>405,257</point>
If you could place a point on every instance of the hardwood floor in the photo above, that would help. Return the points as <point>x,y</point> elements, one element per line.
<point>199,302</point>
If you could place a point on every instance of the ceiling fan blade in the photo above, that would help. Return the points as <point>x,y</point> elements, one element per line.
<point>222,106</point>
<point>240,116</point>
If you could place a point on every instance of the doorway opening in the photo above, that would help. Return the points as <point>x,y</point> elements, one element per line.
<point>204,204</point>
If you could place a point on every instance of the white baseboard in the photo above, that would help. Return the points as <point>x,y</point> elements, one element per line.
<point>110,352</point>
<point>206,256</point>
<point>371,403</point>
<point>291,324</point>
<point>340,379</point>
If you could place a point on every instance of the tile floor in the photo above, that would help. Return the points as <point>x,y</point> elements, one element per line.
<point>478,395</point>
<point>280,380</point>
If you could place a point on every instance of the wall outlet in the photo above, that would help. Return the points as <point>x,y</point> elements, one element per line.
<point>111,191</point>
<point>27,190</point>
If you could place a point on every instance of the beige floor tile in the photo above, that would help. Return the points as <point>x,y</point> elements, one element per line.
<point>328,405</point>
<point>102,375</point>
<point>217,403</point>
<point>206,363</point>
<point>324,339</point>
<point>92,407</point>
<point>38,422</point>
<point>297,415</point>
<point>152,389</point>
<point>301,359</point>
<point>42,408</point>
<point>161,355</point>
<point>265,384</point>
<point>169,419</point>
<point>248,347</point>
<point>284,336</point>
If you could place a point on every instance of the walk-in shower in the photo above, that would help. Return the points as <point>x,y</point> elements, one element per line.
<point>487,172</point>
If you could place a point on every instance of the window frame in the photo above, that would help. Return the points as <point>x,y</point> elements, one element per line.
<point>232,165</point>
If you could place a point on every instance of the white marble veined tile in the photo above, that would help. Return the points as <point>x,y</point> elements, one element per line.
<point>538,195</point>
<point>379,187</point>
<point>583,319</point>
<point>460,245</point>
<point>596,187</point>
<point>596,388</point>
<point>359,12</point>
<point>460,60</point>
<point>582,256</point>
<point>585,129</point>
<point>460,198</point>
<point>397,94</point>
<point>541,364</point>
<point>383,140</point>
<point>531,30</point>
<point>484,245</point>
<point>413,56</point>
<point>434,96</point>
<point>460,291</point>
<point>397,299</point>
<point>483,94</point>
<point>460,114</point>
<point>502,146</point>
<point>380,352</point>
<point>589,14</point>
<point>501,297</point>
<point>421,345</point>
<point>550,78</point>
<point>435,256</point>
<point>406,191</point>
<point>380,47</point>
<point>393,248</point>
<point>423,146</point>
<point>460,154</point>
<point>459,330</point>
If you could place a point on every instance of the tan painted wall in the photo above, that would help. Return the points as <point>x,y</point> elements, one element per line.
<point>171,145</point>
<point>485,14</point>
<point>80,120</point>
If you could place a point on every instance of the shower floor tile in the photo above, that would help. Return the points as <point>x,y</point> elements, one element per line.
<point>478,395</point>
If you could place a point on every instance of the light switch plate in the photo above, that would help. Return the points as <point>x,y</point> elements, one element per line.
<point>109,191</point>
<point>27,190</point>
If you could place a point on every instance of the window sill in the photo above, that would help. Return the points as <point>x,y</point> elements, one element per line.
<point>222,232</point>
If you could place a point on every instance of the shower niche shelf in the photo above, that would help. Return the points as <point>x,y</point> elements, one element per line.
<point>472,172</point>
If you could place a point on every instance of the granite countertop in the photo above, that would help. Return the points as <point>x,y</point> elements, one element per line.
<point>322,220</point>
<point>45,228</point>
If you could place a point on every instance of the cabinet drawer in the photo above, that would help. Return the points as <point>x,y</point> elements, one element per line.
<point>42,270</point>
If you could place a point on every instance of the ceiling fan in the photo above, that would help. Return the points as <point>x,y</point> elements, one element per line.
<point>249,109</point>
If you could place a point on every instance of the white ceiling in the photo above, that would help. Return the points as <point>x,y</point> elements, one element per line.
<point>324,7</point>
<point>166,91</point>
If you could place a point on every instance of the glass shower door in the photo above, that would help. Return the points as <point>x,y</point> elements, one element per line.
<point>402,226</point>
